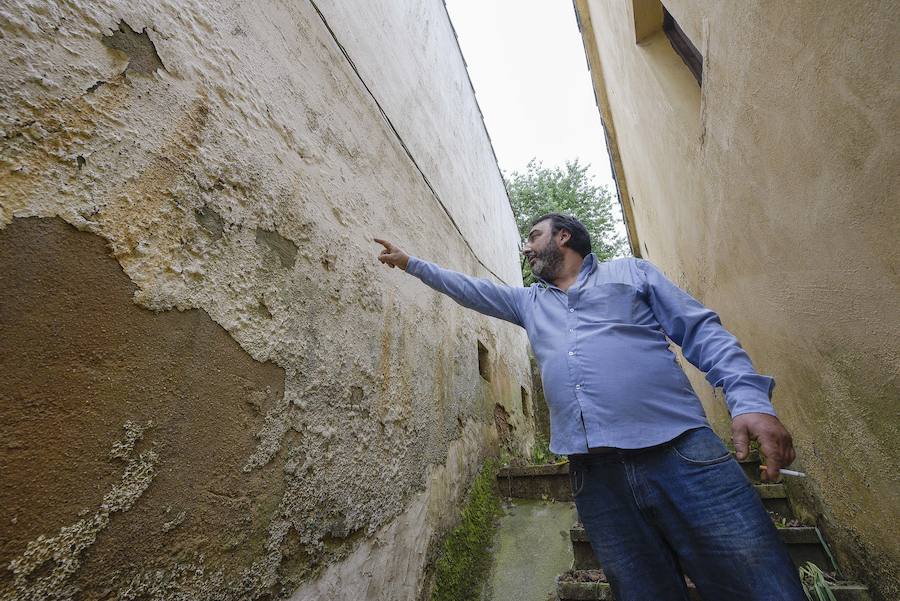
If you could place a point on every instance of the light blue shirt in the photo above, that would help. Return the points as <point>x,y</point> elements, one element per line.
<point>610,378</point>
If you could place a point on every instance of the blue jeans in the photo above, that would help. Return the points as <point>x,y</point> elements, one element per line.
<point>681,507</point>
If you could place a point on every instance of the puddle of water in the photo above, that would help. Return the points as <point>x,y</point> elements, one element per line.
<point>531,548</point>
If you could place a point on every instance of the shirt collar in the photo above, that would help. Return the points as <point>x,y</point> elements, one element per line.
<point>588,266</point>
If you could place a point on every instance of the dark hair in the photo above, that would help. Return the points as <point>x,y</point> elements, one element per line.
<point>580,241</point>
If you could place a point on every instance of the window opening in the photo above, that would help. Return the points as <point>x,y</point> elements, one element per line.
<point>484,365</point>
<point>683,46</point>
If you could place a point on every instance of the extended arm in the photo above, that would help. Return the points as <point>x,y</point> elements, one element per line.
<point>708,345</point>
<point>480,295</point>
<point>714,350</point>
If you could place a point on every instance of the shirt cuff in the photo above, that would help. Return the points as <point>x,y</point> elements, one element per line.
<point>414,265</point>
<point>749,401</point>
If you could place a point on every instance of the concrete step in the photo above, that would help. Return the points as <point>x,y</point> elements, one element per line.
<point>774,498</point>
<point>552,482</point>
<point>567,590</point>
<point>536,482</point>
<point>803,543</point>
<point>750,465</point>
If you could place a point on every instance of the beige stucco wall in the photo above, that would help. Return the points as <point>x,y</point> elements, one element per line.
<point>209,386</point>
<point>428,64</point>
<point>771,194</point>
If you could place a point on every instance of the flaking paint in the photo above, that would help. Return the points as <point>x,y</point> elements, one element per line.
<point>236,186</point>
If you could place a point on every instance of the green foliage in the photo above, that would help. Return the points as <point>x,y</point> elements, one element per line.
<point>464,557</point>
<point>569,190</point>
<point>814,583</point>
<point>542,454</point>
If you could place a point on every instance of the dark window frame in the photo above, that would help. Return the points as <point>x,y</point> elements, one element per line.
<point>683,46</point>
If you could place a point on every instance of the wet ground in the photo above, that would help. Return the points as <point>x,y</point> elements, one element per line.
<point>531,548</point>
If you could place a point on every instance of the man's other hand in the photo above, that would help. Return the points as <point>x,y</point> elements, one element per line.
<point>392,255</point>
<point>774,441</point>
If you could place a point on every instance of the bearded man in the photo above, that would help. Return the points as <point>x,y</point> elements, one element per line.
<point>658,492</point>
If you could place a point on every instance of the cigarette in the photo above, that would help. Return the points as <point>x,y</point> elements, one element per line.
<point>785,472</point>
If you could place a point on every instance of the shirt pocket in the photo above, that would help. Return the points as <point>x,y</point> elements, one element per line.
<point>611,303</point>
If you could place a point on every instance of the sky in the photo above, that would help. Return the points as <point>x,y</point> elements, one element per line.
<point>530,75</point>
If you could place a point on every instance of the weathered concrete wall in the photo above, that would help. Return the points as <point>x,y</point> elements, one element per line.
<point>209,386</point>
<point>770,194</point>
<point>398,74</point>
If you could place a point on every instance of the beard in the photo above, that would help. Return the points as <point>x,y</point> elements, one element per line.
<point>548,262</point>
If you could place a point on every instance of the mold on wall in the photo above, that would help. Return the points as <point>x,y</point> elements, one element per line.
<point>773,200</point>
<point>187,199</point>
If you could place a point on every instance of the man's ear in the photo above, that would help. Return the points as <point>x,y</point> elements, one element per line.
<point>564,236</point>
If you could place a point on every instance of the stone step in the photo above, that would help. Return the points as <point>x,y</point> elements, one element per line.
<point>536,482</point>
<point>750,465</point>
<point>552,482</point>
<point>803,543</point>
<point>600,591</point>
<point>597,591</point>
<point>774,498</point>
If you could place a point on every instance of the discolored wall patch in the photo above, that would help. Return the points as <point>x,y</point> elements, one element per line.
<point>142,55</point>
<point>82,362</point>
<point>243,191</point>
<point>283,248</point>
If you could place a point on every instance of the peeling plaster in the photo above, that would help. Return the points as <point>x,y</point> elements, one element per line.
<point>141,52</point>
<point>238,191</point>
<point>61,555</point>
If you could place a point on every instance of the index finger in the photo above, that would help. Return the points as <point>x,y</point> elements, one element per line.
<point>384,243</point>
<point>774,460</point>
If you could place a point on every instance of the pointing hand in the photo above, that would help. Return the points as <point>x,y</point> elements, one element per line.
<point>392,255</point>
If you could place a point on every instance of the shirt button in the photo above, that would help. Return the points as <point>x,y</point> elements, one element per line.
<point>571,331</point>
<point>571,352</point>
<point>578,387</point>
<point>571,310</point>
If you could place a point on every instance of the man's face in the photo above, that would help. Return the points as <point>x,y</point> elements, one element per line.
<point>541,249</point>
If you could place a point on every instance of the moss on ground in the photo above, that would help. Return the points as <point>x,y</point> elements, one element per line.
<point>464,557</point>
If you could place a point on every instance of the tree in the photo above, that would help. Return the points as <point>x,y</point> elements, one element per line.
<point>569,190</point>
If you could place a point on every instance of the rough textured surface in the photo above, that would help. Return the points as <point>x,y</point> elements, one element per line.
<point>464,556</point>
<point>531,549</point>
<point>187,198</point>
<point>429,60</point>
<point>389,565</point>
<point>771,195</point>
<point>82,361</point>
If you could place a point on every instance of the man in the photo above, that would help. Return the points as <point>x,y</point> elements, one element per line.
<point>657,491</point>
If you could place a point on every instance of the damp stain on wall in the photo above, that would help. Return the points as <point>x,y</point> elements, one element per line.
<point>82,362</point>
